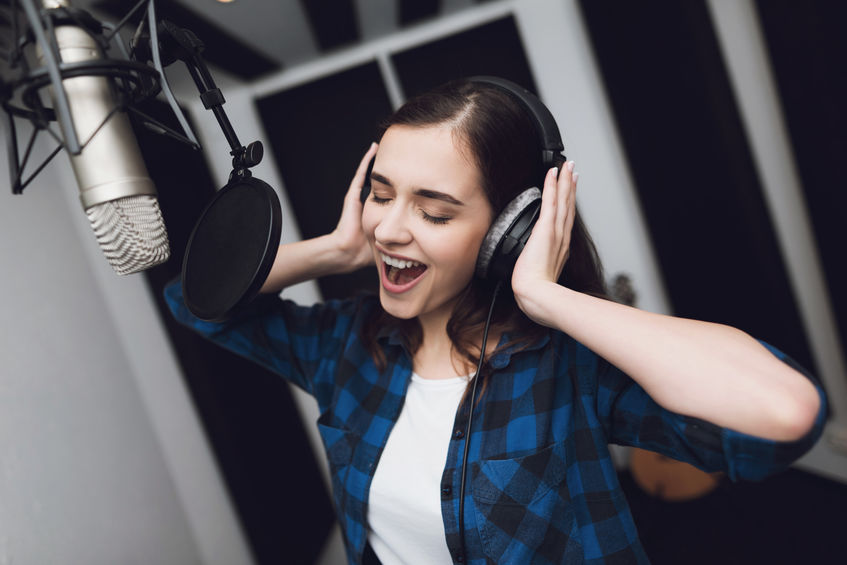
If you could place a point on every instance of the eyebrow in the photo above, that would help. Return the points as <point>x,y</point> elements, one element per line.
<point>423,192</point>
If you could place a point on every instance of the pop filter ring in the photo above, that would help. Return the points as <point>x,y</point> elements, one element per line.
<point>231,249</point>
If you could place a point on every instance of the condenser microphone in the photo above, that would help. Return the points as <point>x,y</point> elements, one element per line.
<point>116,191</point>
<point>234,243</point>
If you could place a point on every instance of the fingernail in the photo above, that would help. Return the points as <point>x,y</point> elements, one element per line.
<point>570,166</point>
<point>555,172</point>
<point>575,177</point>
<point>373,144</point>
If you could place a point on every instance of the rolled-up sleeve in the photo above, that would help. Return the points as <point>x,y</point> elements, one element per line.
<point>631,417</point>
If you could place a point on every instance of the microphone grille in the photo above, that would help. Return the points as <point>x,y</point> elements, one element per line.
<point>131,232</point>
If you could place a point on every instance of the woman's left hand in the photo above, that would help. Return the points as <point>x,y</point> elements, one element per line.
<point>544,256</point>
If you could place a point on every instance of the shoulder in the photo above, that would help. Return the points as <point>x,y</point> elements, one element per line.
<point>571,359</point>
<point>568,351</point>
<point>347,312</point>
<point>274,311</point>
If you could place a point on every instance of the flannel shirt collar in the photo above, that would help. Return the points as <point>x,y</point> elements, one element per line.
<point>393,337</point>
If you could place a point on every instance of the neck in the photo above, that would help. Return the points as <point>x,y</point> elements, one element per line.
<point>436,357</point>
<point>434,326</point>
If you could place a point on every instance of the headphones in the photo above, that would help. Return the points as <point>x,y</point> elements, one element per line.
<point>510,231</point>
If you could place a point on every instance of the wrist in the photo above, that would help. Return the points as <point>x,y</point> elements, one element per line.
<point>346,256</point>
<point>535,299</point>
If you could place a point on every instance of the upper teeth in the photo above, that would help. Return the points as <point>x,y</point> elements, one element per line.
<point>399,263</point>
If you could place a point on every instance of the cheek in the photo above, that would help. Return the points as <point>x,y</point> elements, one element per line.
<point>461,257</point>
<point>370,219</point>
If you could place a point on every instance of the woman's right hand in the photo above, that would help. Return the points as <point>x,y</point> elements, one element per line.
<point>343,250</point>
<point>348,235</point>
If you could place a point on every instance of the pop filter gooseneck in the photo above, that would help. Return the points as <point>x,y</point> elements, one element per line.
<point>234,243</point>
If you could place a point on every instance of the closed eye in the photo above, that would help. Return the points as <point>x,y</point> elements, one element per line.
<point>439,220</point>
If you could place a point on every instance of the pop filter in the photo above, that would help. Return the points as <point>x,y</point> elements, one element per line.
<point>231,249</point>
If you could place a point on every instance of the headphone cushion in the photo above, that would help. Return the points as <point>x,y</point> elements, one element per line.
<point>500,227</point>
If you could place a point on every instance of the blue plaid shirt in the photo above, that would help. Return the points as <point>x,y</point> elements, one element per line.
<point>542,487</point>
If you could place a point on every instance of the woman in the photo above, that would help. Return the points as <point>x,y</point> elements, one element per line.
<point>566,371</point>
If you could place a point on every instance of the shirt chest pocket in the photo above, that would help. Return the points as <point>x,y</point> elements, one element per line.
<point>523,509</point>
<point>339,444</point>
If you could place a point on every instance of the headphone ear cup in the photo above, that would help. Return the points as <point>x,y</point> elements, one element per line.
<point>507,236</point>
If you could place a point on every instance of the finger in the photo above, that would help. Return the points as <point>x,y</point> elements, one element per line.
<point>564,193</point>
<point>361,171</point>
<point>572,196</point>
<point>570,219</point>
<point>548,196</point>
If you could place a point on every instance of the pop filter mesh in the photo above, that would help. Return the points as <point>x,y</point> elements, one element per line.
<point>231,249</point>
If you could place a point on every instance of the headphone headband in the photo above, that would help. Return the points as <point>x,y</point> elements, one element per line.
<point>548,132</point>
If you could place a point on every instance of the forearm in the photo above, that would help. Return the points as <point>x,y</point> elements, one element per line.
<point>709,371</point>
<point>306,260</point>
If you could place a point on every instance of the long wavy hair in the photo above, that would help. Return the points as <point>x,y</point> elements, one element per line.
<point>502,141</point>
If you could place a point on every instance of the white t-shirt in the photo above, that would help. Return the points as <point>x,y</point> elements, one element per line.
<point>404,510</point>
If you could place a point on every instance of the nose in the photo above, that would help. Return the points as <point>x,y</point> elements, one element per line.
<point>393,227</point>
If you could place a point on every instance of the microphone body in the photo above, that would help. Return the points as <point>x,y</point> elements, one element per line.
<point>116,191</point>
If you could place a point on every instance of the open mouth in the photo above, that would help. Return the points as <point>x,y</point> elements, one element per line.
<point>400,274</point>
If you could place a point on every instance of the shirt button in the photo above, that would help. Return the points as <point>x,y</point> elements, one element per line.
<point>458,434</point>
<point>446,490</point>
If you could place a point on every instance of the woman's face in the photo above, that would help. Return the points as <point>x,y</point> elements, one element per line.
<point>425,218</point>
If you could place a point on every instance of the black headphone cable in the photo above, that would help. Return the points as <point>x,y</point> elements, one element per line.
<point>470,420</point>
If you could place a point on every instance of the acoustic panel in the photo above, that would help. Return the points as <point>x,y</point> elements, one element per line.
<point>221,48</point>
<point>494,48</point>
<point>318,133</point>
<point>807,50</point>
<point>333,22</point>
<point>413,11</point>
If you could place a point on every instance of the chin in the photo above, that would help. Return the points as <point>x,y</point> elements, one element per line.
<point>403,311</point>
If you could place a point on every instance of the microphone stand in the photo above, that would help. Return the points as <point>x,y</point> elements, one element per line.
<point>135,81</point>
<point>19,91</point>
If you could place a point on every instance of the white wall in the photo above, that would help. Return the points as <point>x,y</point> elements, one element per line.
<point>101,460</point>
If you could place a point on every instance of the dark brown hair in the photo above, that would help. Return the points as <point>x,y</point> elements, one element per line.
<point>502,141</point>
